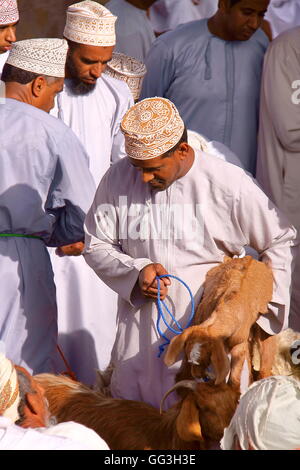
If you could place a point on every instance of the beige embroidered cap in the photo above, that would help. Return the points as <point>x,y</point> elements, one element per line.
<point>90,23</point>
<point>151,128</point>
<point>128,69</point>
<point>41,56</point>
<point>9,389</point>
<point>9,12</point>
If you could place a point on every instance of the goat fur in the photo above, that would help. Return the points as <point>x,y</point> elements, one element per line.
<point>192,423</point>
<point>235,293</point>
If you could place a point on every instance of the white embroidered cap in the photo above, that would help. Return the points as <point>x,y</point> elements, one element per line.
<point>41,56</point>
<point>267,417</point>
<point>90,23</point>
<point>9,389</point>
<point>9,12</point>
<point>151,128</point>
<point>128,69</point>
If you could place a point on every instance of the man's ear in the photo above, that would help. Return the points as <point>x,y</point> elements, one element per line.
<point>38,85</point>
<point>183,149</point>
<point>224,6</point>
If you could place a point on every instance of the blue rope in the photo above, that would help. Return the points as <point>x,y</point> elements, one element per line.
<point>161,315</point>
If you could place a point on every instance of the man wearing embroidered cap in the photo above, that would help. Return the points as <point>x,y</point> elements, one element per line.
<point>42,165</point>
<point>92,104</point>
<point>211,70</point>
<point>9,17</point>
<point>172,209</point>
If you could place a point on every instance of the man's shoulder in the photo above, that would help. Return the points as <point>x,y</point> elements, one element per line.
<point>221,173</point>
<point>184,34</point>
<point>113,85</point>
<point>260,39</point>
<point>121,172</point>
<point>40,119</point>
<point>287,39</point>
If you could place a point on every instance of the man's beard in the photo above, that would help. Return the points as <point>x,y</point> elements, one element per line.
<point>76,86</point>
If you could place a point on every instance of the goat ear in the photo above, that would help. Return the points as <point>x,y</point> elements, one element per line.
<point>220,362</point>
<point>187,423</point>
<point>174,348</point>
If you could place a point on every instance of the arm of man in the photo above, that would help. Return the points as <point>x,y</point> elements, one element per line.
<point>281,83</point>
<point>129,277</point>
<point>160,70</point>
<point>71,192</point>
<point>281,91</point>
<point>265,228</point>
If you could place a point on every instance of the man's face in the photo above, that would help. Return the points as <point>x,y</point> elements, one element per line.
<point>47,98</point>
<point>244,18</point>
<point>85,64</point>
<point>159,172</point>
<point>7,37</point>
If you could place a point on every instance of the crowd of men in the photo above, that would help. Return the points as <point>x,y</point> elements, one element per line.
<point>134,148</point>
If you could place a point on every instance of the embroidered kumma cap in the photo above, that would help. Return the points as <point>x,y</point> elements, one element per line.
<point>128,69</point>
<point>9,12</point>
<point>41,56</point>
<point>151,128</point>
<point>91,24</point>
<point>9,389</point>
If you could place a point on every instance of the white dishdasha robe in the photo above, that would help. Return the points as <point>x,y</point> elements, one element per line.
<point>214,210</point>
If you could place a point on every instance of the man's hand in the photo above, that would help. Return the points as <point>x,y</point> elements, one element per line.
<point>75,249</point>
<point>148,282</point>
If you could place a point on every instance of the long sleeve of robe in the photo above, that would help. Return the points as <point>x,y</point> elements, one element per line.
<point>214,210</point>
<point>215,84</point>
<point>42,165</point>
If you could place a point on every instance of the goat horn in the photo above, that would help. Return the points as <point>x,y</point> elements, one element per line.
<point>191,384</point>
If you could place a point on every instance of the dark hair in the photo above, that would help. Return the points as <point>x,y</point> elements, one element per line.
<point>233,2</point>
<point>72,44</point>
<point>184,138</point>
<point>11,73</point>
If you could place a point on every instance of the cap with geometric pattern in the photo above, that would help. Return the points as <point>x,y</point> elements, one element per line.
<point>129,70</point>
<point>9,12</point>
<point>41,56</point>
<point>151,128</point>
<point>91,24</point>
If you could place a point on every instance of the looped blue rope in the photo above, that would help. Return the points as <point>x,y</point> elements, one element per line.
<point>161,315</point>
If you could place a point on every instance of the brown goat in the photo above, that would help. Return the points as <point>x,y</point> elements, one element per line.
<point>235,293</point>
<point>192,423</point>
